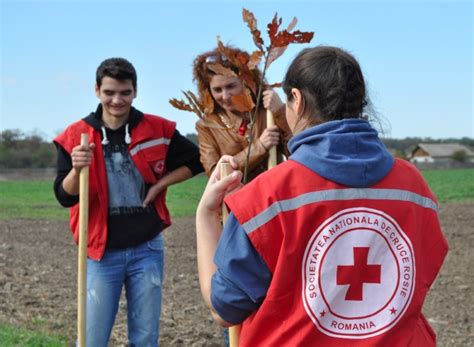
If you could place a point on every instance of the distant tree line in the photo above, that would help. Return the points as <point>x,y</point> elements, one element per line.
<point>20,150</point>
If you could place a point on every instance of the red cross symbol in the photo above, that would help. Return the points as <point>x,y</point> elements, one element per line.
<point>358,274</point>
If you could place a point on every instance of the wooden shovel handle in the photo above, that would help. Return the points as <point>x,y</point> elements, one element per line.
<point>82,250</point>
<point>272,153</point>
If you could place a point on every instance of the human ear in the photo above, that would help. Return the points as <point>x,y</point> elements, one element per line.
<point>97,90</point>
<point>297,100</point>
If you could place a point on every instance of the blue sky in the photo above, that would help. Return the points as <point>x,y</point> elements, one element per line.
<point>417,56</point>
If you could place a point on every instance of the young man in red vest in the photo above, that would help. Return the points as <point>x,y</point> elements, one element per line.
<point>133,158</point>
<point>337,246</point>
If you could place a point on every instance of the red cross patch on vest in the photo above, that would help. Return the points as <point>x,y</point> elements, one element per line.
<point>358,274</point>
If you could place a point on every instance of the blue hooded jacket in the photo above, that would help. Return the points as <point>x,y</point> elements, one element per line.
<point>348,152</point>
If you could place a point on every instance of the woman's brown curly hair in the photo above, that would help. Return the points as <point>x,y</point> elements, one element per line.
<point>202,75</point>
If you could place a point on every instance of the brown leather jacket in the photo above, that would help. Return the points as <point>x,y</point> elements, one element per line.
<point>215,140</point>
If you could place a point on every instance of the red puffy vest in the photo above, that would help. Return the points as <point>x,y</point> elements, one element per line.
<point>350,266</point>
<point>148,150</point>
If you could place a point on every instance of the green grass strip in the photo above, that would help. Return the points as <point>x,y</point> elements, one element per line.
<point>35,199</point>
<point>29,200</point>
<point>182,198</point>
<point>11,336</point>
<point>454,185</point>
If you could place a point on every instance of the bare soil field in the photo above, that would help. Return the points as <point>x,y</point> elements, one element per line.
<point>38,266</point>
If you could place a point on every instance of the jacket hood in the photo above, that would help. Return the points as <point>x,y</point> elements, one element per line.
<point>348,152</point>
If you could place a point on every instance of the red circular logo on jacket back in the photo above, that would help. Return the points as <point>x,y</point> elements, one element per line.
<point>358,274</point>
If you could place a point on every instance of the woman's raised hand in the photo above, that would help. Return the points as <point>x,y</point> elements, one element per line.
<point>217,186</point>
<point>271,100</point>
<point>270,137</point>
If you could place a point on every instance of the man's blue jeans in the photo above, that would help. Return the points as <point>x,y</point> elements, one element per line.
<point>140,269</point>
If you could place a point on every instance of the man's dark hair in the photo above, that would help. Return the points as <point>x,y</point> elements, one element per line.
<point>117,68</point>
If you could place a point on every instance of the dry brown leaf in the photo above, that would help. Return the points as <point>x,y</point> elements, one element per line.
<point>273,27</point>
<point>227,52</point>
<point>194,104</point>
<point>249,82</point>
<point>284,38</point>
<point>281,39</point>
<point>221,70</point>
<point>254,60</point>
<point>244,72</point>
<point>201,109</point>
<point>292,24</point>
<point>180,105</point>
<point>251,21</point>
<point>242,57</point>
<point>194,100</point>
<point>243,102</point>
<point>191,107</point>
<point>208,102</point>
<point>276,52</point>
<point>234,59</point>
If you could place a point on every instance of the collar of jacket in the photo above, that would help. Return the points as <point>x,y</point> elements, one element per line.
<point>94,119</point>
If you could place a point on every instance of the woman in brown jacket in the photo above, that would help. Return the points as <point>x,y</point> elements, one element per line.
<point>221,77</point>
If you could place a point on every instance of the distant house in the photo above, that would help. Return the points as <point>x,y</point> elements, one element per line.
<point>440,153</point>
